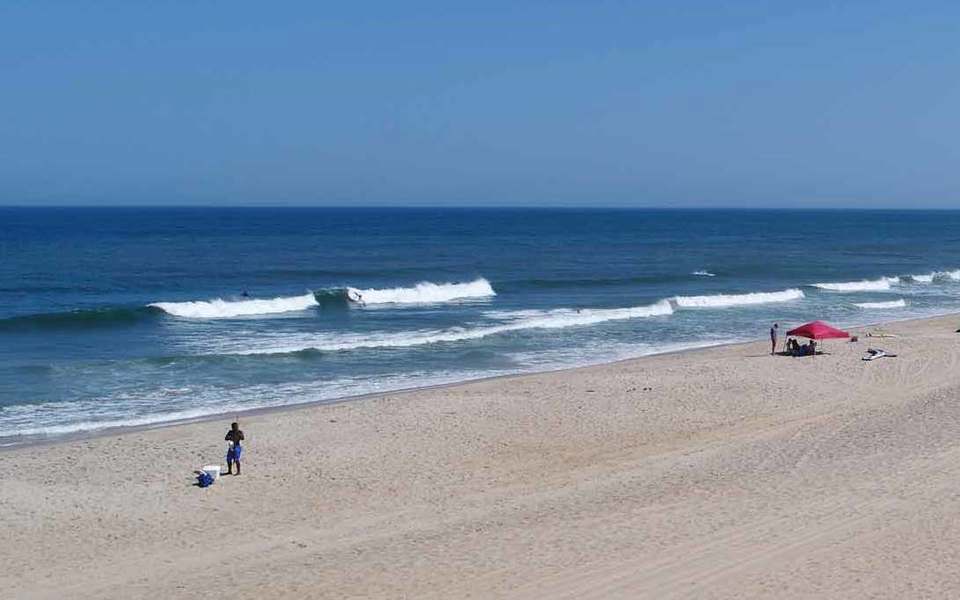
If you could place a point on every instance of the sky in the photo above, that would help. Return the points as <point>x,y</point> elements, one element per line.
<point>670,104</point>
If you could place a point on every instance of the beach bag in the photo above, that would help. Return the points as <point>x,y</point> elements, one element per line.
<point>204,479</point>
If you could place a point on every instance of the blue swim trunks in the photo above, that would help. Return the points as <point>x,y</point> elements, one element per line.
<point>233,453</point>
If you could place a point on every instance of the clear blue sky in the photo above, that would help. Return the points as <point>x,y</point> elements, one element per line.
<point>532,103</point>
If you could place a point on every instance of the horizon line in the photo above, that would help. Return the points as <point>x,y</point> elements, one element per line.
<point>478,206</point>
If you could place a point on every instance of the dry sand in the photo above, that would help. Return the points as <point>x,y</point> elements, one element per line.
<point>720,473</point>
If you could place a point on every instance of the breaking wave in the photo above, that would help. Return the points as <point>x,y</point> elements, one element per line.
<point>724,300</point>
<point>226,309</point>
<point>423,293</point>
<point>867,285</point>
<point>936,276</point>
<point>517,321</point>
<point>703,274</point>
<point>881,305</point>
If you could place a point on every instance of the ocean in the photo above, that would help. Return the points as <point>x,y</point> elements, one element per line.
<point>136,316</point>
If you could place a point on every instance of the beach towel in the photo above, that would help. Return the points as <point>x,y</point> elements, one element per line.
<point>875,353</point>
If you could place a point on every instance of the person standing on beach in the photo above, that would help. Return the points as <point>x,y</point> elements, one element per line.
<point>773,338</point>
<point>234,436</point>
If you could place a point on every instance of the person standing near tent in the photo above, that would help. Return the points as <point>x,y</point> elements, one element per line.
<point>773,338</point>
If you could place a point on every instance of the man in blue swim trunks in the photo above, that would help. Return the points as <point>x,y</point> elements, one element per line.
<point>236,449</point>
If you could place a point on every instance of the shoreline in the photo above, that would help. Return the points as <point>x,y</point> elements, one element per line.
<point>718,473</point>
<point>12,443</point>
<point>40,440</point>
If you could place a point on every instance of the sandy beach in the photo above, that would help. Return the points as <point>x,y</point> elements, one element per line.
<point>715,473</point>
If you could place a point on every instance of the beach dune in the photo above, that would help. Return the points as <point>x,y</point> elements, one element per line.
<point>714,473</point>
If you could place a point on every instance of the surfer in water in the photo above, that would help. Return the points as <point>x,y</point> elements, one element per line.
<point>245,294</point>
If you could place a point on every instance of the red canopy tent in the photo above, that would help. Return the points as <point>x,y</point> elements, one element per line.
<point>818,330</point>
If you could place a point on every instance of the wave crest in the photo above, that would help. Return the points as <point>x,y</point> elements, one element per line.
<point>423,293</point>
<point>936,276</point>
<point>724,300</point>
<point>882,305</point>
<point>519,321</point>
<point>866,285</point>
<point>77,319</point>
<point>226,309</point>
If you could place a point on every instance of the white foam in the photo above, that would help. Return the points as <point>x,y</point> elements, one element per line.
<point>225,309</point>
<point>937,275</point>
<point>867,285</point>
<point>703,274</point>
<point>568,317</point>
<point>423,293</point>
<point>60,418</point>
<point>882,305</point>
<point>522,320</point>
<point>21,422</point>
<point>725,300</point>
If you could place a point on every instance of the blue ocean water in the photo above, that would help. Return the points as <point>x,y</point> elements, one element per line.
<point>127,316</point>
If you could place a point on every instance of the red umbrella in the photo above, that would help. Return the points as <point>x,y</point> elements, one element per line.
<point>818,330</point>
